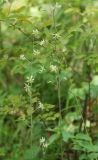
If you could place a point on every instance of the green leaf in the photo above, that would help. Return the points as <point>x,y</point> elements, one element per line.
<point>93,156</point>
<point>66,136</point>
<point>31,153</point>
<point>95,80</point>
<point>82,136</point>
<point>53,138</point>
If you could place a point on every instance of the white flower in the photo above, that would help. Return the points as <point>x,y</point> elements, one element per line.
<point>42,69</point>
<point>87,123</point>
<point>85,20</point>
<point>22,57</point>
<point>65,78</point>
<point>49,82</point>
<point>56,36</point>
<point>6,56</point>
<point>41,106</point>
<point>13,112</point>
<point>57,5</point>
<point>45,145</point>
<point>35,31</point>
<point>42,140</point>
<point>36,52</point>
<point>64,49</point>
<point>53,68</point>
<point>30,79</point>
<point>42,43</point>
<point>27,88</point>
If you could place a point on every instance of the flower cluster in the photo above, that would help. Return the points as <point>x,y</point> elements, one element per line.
<point>64,49</point>
<point>27,88</point>
<point>56,6</point>
<point>53,68</point>
<point>42,69</point>
<point>36,52</point>
<point>35,32</point>
<point>6,56</point>
<point>40,106</point>
<point>22,57</point>
<point>28,83</point>
<point>42,42</point>
<point>30,79</point>
<point>56,36</point>
<point>43,143</point>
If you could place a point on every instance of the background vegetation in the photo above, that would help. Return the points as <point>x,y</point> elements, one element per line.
<point>48,80</point>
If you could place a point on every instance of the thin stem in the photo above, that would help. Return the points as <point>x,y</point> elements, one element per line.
<point>30,95</point>
<point>59,95</point>
<point>58,76</point>
<point>22,31</point>
<point>58,81</point>
<point>31,103</point>
<point>1,37</point>
<point>54,21</point>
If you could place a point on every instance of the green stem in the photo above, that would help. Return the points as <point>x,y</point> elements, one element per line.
<point>58,82</point>
<point>59,95</point>
<point>1,37</point>
<point>30,96</point>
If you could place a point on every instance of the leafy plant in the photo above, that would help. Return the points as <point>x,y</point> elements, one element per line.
<point>48,80</point>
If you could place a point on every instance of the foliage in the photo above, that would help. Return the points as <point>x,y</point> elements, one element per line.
<point>48,80</point>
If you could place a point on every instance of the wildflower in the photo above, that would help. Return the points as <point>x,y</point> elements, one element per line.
<point>42,42</point>
<point>87,123</point>
<point>35,31</point>
<point>65,78</point>
<point>49,82</point>
<point>42,69</point>
<point>36,52</point>
<point>22,57</point>
<point>45,145</point>
<point>30,79</point>
<point>57,5</point>
<point>22,115</point>
<point>5,56</point>
<point>27,88</point>
<point>53,68</point>
<point>56,36</point>
<point>13,112</point>
<point>41,106</point>
<point>64,49</point>
<point>42,140</point>
<point>85,20</point>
